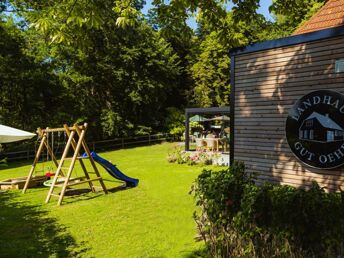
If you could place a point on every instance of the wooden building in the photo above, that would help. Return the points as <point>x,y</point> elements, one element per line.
<point>267,79</point>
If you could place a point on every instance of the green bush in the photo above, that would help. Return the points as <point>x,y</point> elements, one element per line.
<point>240,219</point>
<point>174,121</point>
<point>3,162</point>
<point>177,131</point>
<point>196,127</point>
<point>143,130</point>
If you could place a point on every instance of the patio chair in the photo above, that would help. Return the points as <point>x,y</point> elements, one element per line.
<point>200,144</point>
<point>225,143</point>
<point>211,144</point>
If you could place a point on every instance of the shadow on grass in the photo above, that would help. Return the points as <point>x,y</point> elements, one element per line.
<point>27,231</point>
<point>73,195</point>
<point>79,194</point>
<point>120,188</point>
<point>198,254</point>
<point>82,194</point>
<point>16,164</point>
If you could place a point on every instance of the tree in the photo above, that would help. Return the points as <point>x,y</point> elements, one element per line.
<point>210,73</point>
<point>102,61</point>
<point>28,88</point>
<point>290,14</point>
<point>221,30</point>
<point>118,78</point>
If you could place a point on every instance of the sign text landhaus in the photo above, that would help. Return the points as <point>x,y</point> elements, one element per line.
<point>315,129</point>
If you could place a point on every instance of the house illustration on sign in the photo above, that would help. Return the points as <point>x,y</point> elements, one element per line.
<point>320,128</point>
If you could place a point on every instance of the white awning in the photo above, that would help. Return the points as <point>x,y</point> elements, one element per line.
<point>9,134</point>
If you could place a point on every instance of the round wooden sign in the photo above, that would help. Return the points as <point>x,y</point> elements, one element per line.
<point>315,129</point>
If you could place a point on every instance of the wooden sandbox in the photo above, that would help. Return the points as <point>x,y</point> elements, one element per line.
<point>19,182</point>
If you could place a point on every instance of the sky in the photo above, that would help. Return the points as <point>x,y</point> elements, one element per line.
<point>264,9</point>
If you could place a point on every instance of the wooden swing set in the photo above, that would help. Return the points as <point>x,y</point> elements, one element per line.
<point>76,140</point>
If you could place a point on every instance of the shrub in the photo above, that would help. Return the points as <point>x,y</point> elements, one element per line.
<point>196,127</point>
<point>174,121</point>
<point>142,130</point>
<point>3,162</point>
<point>240,219</point>
<point>177,131</point>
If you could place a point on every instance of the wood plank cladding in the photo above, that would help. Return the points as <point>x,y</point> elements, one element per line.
<point>267,84</point>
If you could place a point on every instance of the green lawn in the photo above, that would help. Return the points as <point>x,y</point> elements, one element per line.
<point>151,220</point>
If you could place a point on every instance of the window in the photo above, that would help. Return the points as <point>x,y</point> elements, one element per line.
<point>311,134</point>
<point>300,134</point>
<point>330,136</point>
<point>339,66</point>
<point>305,134</point>
<point>338,133</point>
<point>309,123</point>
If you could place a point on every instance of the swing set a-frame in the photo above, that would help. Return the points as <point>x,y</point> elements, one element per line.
<point>76,140</point>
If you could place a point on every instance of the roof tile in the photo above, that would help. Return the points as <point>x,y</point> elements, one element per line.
<point>329,16</point>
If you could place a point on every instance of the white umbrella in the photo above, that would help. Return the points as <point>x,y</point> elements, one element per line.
<point>220,118</point>
<point>197,118</point>
<point>9,134</point>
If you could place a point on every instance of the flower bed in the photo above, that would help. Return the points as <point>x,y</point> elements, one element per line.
<point>178,155</point>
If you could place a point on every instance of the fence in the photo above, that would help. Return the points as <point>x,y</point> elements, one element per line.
<point>112,144</point>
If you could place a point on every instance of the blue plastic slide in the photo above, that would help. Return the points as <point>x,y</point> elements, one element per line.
<point>113,170</point>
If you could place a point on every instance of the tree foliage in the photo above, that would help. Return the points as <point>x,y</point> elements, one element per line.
<point>29,89</point>
<point>296,11</point>
<point>120,79</point>
<point>290,14</point>
<point>104,62</point>
<point>210,73</point>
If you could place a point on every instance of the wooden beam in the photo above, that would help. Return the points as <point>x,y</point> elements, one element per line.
<point>210,110</point>
<point>71,167</point>
<point>64,155</point>
<point>187,131</point>
<point>38,154</point>
<point>78,157</point>
<point>232,111</point>
<point>85,181</point>
<point>87,150</point>
<point>50,130</point>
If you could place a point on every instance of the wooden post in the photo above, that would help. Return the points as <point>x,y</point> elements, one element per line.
<point>74,145</point>
<point>64,155</point>
<point>69,173</point>
<point>38,154</point>
<point>87,150</point>
<point>44,143</point>
<point>187,137</point>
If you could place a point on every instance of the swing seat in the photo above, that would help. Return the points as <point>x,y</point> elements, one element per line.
<point>49,174</point>
<point>49,182</point>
